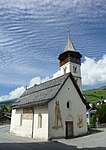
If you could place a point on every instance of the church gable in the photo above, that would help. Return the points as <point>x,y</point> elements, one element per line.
<point>67,107</point>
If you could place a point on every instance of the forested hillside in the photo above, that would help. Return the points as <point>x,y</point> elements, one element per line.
<point>7,103</point>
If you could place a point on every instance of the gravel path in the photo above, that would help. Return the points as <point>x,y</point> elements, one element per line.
<point>90,141</point>
<point>9,141</point>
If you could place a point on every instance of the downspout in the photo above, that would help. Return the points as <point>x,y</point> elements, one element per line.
<point>32,122</point>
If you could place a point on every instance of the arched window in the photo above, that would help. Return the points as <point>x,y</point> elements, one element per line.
<point>39,121</point>
<point>68,105</point>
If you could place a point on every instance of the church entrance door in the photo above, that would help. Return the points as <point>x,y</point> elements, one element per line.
<point>69,129</point>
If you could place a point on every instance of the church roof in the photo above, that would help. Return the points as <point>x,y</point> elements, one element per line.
<point>43,93</point>
<point>69,45</point>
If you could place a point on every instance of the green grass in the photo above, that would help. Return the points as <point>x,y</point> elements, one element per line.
<point>95,95</point>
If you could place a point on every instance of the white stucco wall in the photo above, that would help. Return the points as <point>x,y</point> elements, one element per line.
<point>69,68</point>
<point>15,119</point>
<point>41,133</point>
<point>29,127</point>
<point>19,126</point>
<point>67,93</point>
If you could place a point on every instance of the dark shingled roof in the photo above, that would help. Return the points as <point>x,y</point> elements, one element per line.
<point>41,94</point>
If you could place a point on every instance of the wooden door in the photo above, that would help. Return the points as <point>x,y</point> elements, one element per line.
<point>69,129</point>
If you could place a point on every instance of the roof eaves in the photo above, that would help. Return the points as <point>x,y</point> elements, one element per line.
<point>31,104</point>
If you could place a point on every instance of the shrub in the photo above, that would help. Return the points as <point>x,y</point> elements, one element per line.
<point>101,113</point>
<point>93,121</point>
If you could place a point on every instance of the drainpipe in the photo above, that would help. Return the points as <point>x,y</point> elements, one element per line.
<point>32,122</point>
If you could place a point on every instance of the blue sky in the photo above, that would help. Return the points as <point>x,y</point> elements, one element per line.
<point>34,32</point>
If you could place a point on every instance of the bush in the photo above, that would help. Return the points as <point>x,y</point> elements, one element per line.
<point>101,113</point>
<point>89,127</point>
<point>93,121</point>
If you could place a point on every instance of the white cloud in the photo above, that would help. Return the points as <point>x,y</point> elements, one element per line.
<point>93,72</point>
<point>57,74</point>
<point>17,92</point>
<point>13,94</point>
<point>37,80</point>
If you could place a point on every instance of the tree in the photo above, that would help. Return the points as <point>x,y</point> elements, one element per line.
<point>4,110</point>
<point>101,113</point>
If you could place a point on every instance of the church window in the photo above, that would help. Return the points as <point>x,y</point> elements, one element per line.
<point>39,120</point>
<point>75,69</point>
<point>68,105</point>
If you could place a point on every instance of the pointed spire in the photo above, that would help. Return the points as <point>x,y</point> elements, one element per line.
<point>69,44</point>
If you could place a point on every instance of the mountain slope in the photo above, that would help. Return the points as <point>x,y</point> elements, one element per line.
<point>7,103</point>
<point>95,95</point>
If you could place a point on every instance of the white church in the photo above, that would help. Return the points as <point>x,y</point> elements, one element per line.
<point>56,108</point>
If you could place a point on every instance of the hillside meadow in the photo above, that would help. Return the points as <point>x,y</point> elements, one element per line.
<point>95,95</point>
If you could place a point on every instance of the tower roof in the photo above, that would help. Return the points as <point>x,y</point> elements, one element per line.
<point>69,45</point>
<point>71,52</point>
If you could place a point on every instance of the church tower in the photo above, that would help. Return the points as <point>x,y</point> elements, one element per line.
<point>70,61</point>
